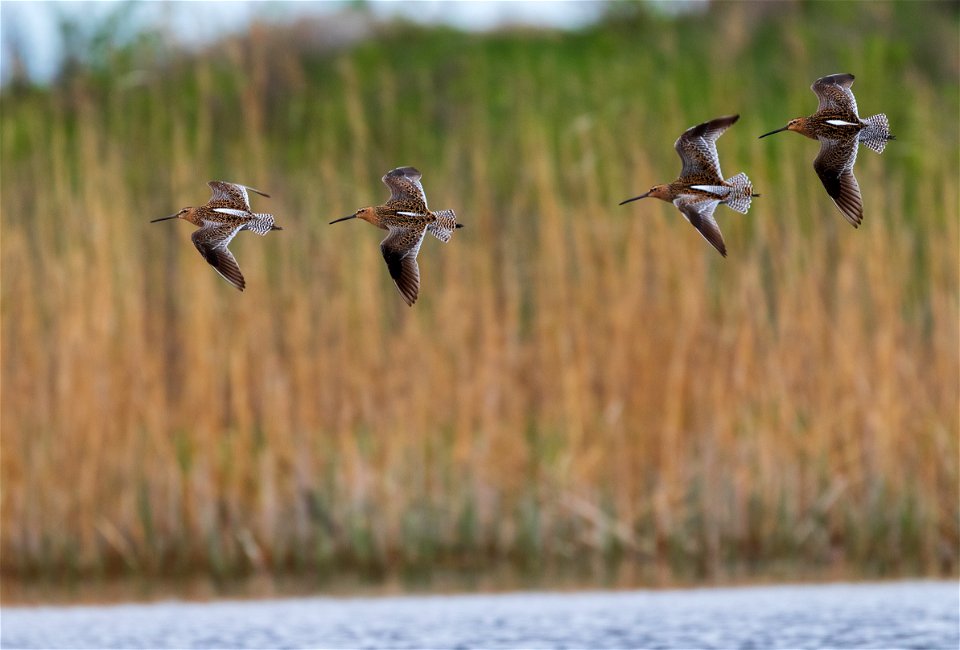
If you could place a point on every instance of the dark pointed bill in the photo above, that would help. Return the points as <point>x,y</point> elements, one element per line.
<point>772,132</point>
<point>642,196</point>
<point>172,216</point>
<point>352,216</point>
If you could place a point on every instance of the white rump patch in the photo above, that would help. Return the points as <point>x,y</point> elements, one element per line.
<point>840,123</point>
<point>720,190</point>
<point>411,214</point>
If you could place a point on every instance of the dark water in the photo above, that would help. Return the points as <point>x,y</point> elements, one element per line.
<point>888,615</point>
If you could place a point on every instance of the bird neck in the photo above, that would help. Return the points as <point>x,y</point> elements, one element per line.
<point>372,215</point>
<point>193,217</point>
<point>803,126</point>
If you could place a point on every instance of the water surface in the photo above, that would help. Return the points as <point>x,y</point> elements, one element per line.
<point>888,615</point>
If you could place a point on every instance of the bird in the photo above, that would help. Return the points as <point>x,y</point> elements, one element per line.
<point>406,216</point>
<point>838,127</point>
<point>224,215</point>
<point>701,188</point>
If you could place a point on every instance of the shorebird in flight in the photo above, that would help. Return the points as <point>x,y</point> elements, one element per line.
<point>225,214</point>
<point>839,129</point>
<point>701,188</point>
<point>406,216</point>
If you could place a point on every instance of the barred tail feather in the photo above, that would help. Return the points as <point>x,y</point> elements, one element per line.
<point>741,193</point>
<point>262,224</point>
<point>877,132</point>
<point>444,226</point>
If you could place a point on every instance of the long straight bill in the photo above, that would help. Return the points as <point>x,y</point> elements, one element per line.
<point>772,132</point>
<point>642,196</point>
<point>352,216</point>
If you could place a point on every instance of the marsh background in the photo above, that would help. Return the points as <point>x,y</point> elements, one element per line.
<point>582,390</point>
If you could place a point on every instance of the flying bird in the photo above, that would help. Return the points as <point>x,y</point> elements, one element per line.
<point>406,216</point>
<point>218,222</point>
<point>838,127</point>
<point>701,188</point>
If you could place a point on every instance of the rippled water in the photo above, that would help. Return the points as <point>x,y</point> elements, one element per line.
<point>889,615</point>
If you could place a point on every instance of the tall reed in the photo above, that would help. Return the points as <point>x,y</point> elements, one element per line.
<point>578,380</point>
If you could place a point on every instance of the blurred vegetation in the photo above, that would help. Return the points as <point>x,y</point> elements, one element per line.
<point>580,384</point>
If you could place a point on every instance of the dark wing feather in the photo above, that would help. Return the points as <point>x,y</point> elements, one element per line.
<point>404,184</point>
<point>700,216</point>
<point>835,95</point>
<point>697,147</point>
<point>834,166</point>
<point>400,249</point>
<point>232,193</point>
<point>212,243</point>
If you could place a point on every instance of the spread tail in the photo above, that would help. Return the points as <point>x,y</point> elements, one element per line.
<point>741,193</point>
<point>877,132</point>
<point>262,224</point>
<point>444,226</point>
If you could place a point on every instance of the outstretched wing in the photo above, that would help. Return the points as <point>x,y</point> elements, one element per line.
<point>212,242</point>
<point>698,149</point>
<point>405,187</point>
<point>834,166</point>
<point>400,249</point>
<point>700,215</point>
<point>835,95</point>
<point>233,193</point>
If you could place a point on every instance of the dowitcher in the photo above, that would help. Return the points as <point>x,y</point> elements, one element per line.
<point>225,214</point>
<point>839,129</point>
<point>701,188</point>
<point>408,219</point>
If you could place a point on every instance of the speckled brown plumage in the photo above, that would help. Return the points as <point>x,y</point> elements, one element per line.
<point>838,127</point>
<point>701,187</point>
<point>407,217</point>
<point>224,215</point>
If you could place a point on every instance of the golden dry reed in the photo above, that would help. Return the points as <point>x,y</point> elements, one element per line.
<point>579,380</point>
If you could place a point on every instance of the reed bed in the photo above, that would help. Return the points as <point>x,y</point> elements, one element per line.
<point>579,382</point>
